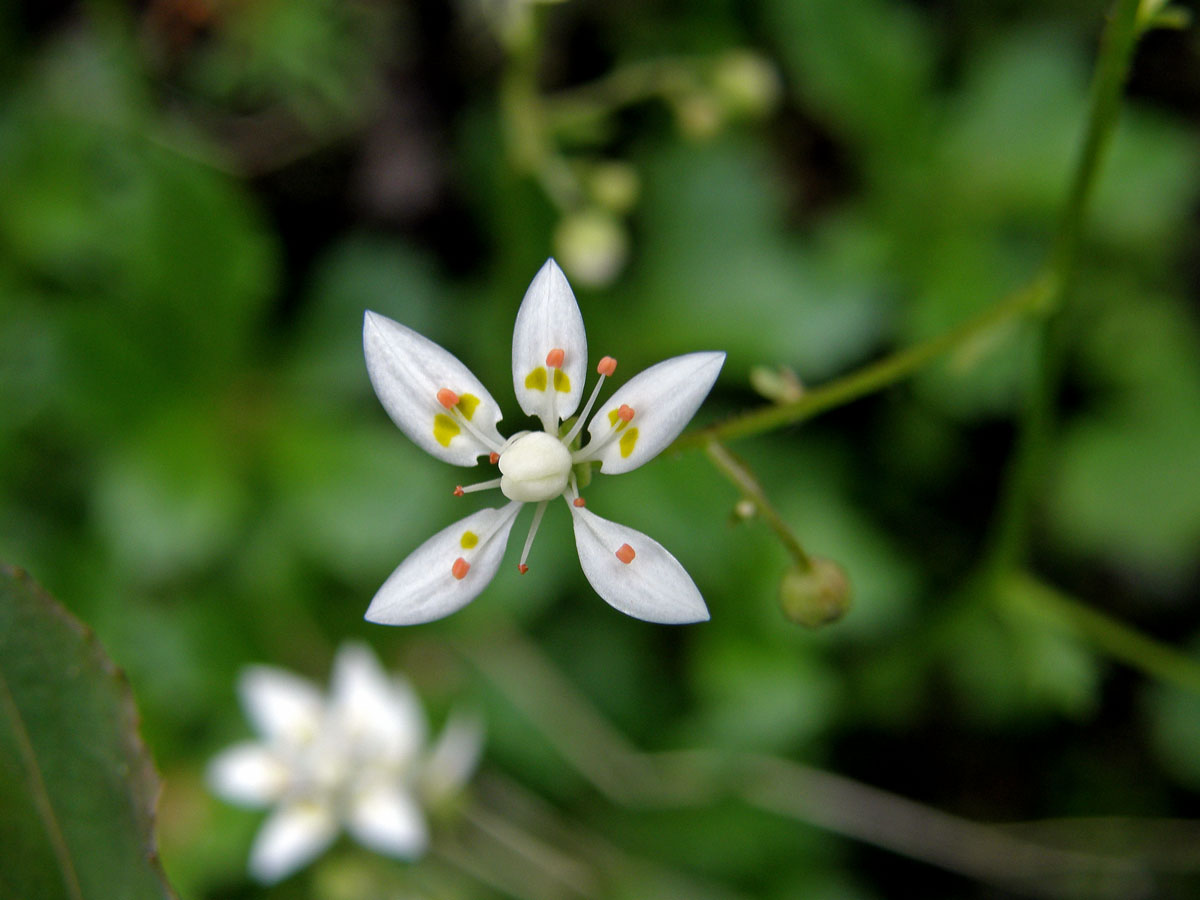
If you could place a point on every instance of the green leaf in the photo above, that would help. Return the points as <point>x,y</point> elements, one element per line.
<point>77,787</point>
<point>1126,488</point>
<point>863,64</point>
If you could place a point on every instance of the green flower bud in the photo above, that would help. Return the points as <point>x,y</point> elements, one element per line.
<point>746,84</point>
<point>699,116</point>
<point>614,185</point>
<point>815,597</point>
<point>592,246</point>
<point>780,385</point>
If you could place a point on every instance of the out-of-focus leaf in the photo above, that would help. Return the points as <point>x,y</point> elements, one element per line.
<point>716,271</point>
<point>358,274</point>
<point>321,59</point>
<point>1175,731</point>
<point>1126,486</point>
<point>77,788</point>
<point>1013,132</point>
<point>358,500</point>
<point>863,64</point>
<point>154,267</point>
<point>172,497</point>
<point>1009,666</point>
<point>763,698</point>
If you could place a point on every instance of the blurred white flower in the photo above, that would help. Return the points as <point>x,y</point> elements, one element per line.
<point>446,410</point>
<point>356,759</point>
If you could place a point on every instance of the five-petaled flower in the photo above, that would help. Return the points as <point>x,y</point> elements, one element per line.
<point>356,759</point>
<point>444,409</point>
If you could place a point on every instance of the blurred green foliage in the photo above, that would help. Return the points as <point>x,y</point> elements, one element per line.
<point>194,215</point>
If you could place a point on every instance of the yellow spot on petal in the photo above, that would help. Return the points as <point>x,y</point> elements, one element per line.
<point>562,383</point>
<point>536,380</point>
<point>614,419</point>
<point>444,429</point>
<point>467,404</point>
<point>628,439</point>
<point>469,540</point>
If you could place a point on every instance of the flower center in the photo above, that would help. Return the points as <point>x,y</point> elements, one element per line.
<point>534,467</point>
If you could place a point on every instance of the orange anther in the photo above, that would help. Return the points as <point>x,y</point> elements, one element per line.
<point>458,490</point>
<point>554,359</point>
<point>522,568</point>
<point>625,413</point>
<point>607,366</point>
<point>493,458</point>
<point>461,567</point>
<point>625,554</point>
<point>447,398</point>
<point>580,502</point>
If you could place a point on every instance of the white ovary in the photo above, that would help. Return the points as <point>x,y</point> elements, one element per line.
<point>534,467</point>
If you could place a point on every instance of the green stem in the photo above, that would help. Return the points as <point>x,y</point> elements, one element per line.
<point>526,134</point>
<point>1109,635</point>
<point>739,473</point>
<point>870,378</point>
<point>1043,293</point>
<point>628,85</point>
<point>1010,534</point>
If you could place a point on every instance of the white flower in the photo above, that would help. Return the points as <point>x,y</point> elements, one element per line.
<point>357,759</point>
<point>444,409</point>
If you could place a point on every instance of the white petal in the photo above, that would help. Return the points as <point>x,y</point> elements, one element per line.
<point>388,819</point>
<point>248,774</point>
<point>379,716</point>
<point>653,586</point>
<point>291,837</point>
<point>549,319</point>
<point>454,757</point>
<point>664,398</point>
<point>407,371</point>
<point>423,587</point>
<point>283,707</point>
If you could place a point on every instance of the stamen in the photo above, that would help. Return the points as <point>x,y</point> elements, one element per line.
<point>618,419</point>
<point>493,457</point>
<point>604,369</point>
<point>625,554</point>
<point>460,568</point>
<point>472,488</point>
<point>447,398</point>
<point>580,502</point>
<point>533,527</point>
<point>464,421</point>
<point>554,359</point>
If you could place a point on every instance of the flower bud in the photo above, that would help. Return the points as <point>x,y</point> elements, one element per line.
<point>745,509</point>
<point>746,84</point>
<point>614,185</point>
<point>699,116</point>
<point>592,246</point>
<point>780,385</point>
<point>815,597</point>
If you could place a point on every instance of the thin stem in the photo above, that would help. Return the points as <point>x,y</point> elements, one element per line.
<point>603,755</point>
<point>1108,634</point>
<point>1010,534</point>
<point>630,84</point>
<point>739,473</point>
<point>873,377</point>
<point>530,148</point>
